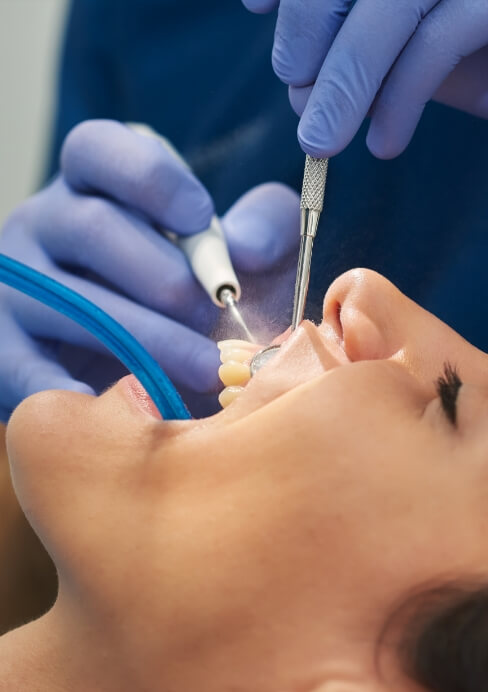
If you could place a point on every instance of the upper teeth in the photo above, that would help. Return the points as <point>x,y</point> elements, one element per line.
<point>236,343</point>
<point>234,372</point>
<point>241,355</point>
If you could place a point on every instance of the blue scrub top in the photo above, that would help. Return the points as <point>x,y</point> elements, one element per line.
<point>200,73</point>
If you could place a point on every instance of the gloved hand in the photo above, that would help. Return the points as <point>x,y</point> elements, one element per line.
<point>92,229</point>
<point>343,60</point>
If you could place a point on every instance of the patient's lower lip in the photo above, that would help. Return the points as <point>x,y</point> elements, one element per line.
<point>137,395</point>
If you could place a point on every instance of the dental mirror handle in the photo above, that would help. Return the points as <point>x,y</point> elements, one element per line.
<point>206,251</point>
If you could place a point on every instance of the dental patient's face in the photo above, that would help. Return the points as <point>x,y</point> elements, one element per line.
<point>330,489</point>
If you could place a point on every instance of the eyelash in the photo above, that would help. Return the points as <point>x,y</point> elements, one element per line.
<point>448,385</point>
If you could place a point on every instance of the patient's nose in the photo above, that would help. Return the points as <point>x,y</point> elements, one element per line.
<point>373,320</point>
<point>368,314</point>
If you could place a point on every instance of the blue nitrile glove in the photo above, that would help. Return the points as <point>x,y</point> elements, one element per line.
<point>387,58</point>
<point>93,230</point>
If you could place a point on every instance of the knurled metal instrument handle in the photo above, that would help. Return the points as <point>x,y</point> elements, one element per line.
<point>314,180</point>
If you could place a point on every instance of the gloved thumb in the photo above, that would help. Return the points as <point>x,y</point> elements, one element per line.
<point>263,228</point>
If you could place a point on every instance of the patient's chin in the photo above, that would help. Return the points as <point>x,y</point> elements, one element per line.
<point>31,425</point>
<point>41,433</point>
<point>40,420</point>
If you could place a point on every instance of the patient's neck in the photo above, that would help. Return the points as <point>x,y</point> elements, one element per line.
<point>73,650</point>
<point>28,659</point>
<point>50,656</point>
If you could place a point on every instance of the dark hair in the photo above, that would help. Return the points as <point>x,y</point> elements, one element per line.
<point>444,647</point>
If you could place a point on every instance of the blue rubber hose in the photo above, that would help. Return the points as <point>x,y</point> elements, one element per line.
<point>117,339</point>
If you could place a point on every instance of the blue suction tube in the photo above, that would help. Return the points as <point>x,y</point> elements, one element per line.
<point>117,339</point>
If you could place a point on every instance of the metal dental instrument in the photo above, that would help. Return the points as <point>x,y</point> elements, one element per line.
<point>311,205</point>
<point>262,357</point>
<point>207,253</point>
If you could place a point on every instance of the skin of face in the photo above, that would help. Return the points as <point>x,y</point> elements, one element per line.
<point>262,549</point>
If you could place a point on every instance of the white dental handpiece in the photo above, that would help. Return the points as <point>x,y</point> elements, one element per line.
<point>209,258</point>
<point>207,252</point>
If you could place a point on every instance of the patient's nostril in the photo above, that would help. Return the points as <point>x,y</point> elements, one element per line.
<point>339,329</point>
<point>332,319</point>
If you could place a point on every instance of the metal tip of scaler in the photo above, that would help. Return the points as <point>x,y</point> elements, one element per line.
<point>228,298</point>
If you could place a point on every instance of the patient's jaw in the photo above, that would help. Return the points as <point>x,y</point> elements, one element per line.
<point>262,550</point>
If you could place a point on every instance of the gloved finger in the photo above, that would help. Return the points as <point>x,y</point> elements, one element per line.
<point>451,31</point>
<point>260,6</point>
<point>96,234</point>
<point>465,86</point>
<point>305,30</point>
<point>299,98</point>
<point>263,228</point>
<point>187,357</point>
<point>25,370</point>
<point>108,158</point>
<point>354,69</point>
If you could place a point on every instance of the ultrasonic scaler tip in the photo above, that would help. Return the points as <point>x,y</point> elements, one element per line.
<point>227,296</point>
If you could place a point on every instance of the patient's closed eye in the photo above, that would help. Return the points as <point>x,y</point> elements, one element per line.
<point>448,386</point>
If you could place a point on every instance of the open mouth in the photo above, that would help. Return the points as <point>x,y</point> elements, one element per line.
<point>304,355</point>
